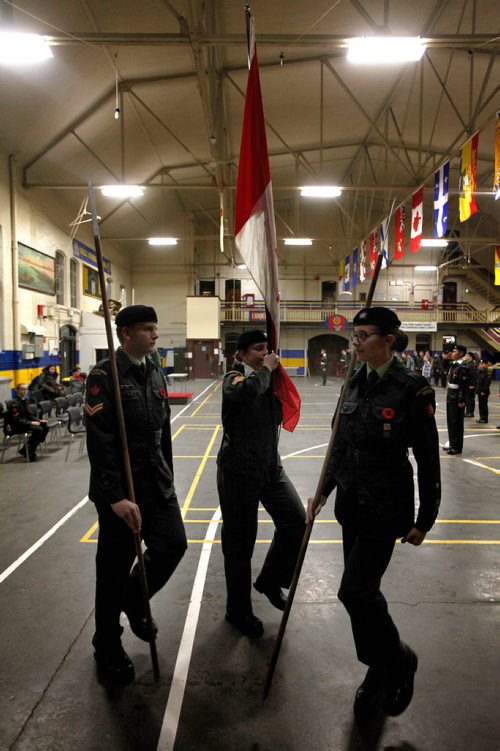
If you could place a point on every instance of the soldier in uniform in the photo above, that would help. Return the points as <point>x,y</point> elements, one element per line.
<point>456,394</point>
<point>470,399</point>
<point>386,410</point>
<point>156,515</point>
<point>483,390</point>
<point>248,471</point>
<point>21,420</point>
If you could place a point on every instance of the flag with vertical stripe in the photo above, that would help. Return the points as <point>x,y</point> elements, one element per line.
<point>255,231</point>
<point>362,261</point>
<point>347,274</point>
<point>497,265</point>
<point>355,267</point>
<point>384,242</point>
<point>417,219</point>
<point>399,232</point>
<point>373,251</point>
<point>441,179</point>
<point>468,178</point>
<point>496,173</point>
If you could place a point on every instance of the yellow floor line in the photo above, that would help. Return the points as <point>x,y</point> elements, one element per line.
<point>198,474</point>
<point>178,431</point>
<point>483,466</point>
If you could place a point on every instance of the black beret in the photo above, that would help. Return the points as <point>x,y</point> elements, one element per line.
<point>471,354</point>
<point>247,338</point>
<point>460,348</point>
<point>136,314</point>
<point>377,316</point>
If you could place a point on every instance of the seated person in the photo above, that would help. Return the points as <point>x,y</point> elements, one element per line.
<point>77,375</point>
<point>77,381</point>
<point>50,386</point>
<point>19,419</point>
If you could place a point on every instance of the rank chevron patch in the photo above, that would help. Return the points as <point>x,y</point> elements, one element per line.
<point>92,410</point>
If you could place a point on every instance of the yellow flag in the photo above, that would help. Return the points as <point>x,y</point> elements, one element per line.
<point>468,178</point>
<point>497,265</point>
<point>496,178</point>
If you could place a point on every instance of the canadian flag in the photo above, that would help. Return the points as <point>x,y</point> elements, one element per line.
<point>417,219</point>
<point>255,231</point>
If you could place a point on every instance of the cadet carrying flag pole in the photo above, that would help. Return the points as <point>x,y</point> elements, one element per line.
<point>317,495</point>
<point>123,435</point>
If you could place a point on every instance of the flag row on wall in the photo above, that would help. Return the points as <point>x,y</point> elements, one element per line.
<point>356,266</point>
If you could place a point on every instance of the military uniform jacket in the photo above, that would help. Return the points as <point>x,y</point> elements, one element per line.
<point>251,416</point>
<point>458,382</point>
<point>147,424</point>
<point>369,463</point>
<point>482,382</point>
<point>19,417</point>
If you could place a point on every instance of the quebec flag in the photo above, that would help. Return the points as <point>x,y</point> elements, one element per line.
<point>441,179</point>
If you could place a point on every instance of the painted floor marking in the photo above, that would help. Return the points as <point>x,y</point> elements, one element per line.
<point>198,474</point>
<point>176,695</point>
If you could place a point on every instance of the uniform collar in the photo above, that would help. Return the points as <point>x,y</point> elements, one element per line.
<point>382,370</point>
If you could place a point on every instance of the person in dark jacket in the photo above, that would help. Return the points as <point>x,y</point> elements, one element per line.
<point>49,383</point>
<point>470,397</point>
<point>155,515</point>
<point>483,390</point>
<point>20,420</point>
<point>387,409</point>
<point>249,470</point>
<point>456,395</point>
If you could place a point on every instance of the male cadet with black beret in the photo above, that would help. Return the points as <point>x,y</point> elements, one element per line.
<point>156,515</point>
<point>456,397</point>
<point>387,409</point>
<point>21,420</point>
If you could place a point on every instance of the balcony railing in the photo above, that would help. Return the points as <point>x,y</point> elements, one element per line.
<point>299,311</point>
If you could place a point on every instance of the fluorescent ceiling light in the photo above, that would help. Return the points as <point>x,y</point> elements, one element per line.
<point>162,241</point>
<point>298,241</point>
<point>22,49</point>
<point>434,243</point>
<point>425,268</point>
<point>374,50</point>
<point>321,191</point>
<point>242,266</point>
<point>122,191</point>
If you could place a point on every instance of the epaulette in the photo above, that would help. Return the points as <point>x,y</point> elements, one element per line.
<point>426,390</point>
<point>238,378</point>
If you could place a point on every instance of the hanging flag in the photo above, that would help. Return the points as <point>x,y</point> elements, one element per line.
<point>399,233</point>
<point>468,178</point>
<point>341,275</point>
<point>373,251</point>
<point>417,219</point>
<point>362,261</point>
<point>255,231</point>
<point>497,265</point>
<point>496,173</point>
<point>347,274</point>
<point>384,242</point>
<point>441,179</point>
<point>355,267</point>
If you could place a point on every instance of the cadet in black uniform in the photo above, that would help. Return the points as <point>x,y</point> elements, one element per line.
<point>470,399</point>
<point>456,395</point>
<point>483,390</point>
<point>20,420</point>
<point>387,409</point>
<point>249,471</point>
<point>156,515</point>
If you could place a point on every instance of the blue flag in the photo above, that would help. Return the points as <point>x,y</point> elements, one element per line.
<point>441,179</point>
<point>355,267</point>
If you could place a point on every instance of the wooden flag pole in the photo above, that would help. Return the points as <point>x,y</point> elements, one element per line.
<point>317,495</point>
<point>123,434</point>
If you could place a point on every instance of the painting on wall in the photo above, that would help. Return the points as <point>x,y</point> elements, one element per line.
<point>36,271</point>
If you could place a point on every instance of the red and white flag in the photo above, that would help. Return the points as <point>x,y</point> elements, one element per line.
<point>417,219</point>
<point>399,233</point>
<point>255,231</point>
<point>362,261</point>
<point>373,251</point>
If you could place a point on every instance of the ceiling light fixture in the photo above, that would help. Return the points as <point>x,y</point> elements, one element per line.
<point>242,266</point>
<point>22,49</point>
<point>122,191</point>
<point>321,191</point>
<point>162,241</point>
<point>375,50</point>
<point>434,243</point>
<point>426,268</point>
<point>298,241</point>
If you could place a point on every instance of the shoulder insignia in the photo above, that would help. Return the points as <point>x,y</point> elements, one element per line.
<point>98,371</point>
<point>426,390</point>
<point>238,379</point>
<point>91,411</point>
<point>94,390</point>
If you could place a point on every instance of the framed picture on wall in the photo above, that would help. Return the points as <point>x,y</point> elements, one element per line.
<point>90,282</point>
<point>35,270</point>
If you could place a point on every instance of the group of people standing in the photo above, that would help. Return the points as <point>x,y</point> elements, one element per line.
<point>387,409</point>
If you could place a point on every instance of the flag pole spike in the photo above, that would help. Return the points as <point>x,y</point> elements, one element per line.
<point>317,496</point>
<point>122,432</point>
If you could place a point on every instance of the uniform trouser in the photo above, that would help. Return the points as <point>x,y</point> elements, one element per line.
<point>470,402</point>
<point>455,420</point>
<point>323,377</point>
<point>482,400</point>
<point>375,635</point>
<point>38,434</point>
<point>117,587</point>
<point>239,501</point>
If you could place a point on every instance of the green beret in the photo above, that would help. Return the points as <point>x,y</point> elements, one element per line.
<point>247,338</point>
<point>136,314</point>
<point>377,316</point>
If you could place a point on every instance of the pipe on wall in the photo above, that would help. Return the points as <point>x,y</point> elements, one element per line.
<point>14,257</point>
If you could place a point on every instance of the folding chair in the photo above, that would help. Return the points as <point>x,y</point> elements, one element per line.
<point>76,429</point>
<point>9,438</point>
<point>53,423</point>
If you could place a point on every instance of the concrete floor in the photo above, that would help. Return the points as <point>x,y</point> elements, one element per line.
<point>444,597</point>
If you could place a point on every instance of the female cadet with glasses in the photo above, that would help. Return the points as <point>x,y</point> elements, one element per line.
<point>387,409</point>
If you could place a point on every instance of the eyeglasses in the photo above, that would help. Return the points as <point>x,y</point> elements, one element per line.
<point>362,336</point>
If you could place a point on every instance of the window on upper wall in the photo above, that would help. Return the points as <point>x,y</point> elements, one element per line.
<point>109,287</point>
<point>73,282</point>
<point>60,258</point>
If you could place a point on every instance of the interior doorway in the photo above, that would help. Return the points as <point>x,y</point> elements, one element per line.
<point>67,350</point>
<point>205,363</point>
<point>333,344</point>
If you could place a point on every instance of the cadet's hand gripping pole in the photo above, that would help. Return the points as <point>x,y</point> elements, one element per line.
<point>317,495</point>
<point>123,435</point>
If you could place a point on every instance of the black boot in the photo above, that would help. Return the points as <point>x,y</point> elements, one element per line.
<point>399,688</point>
<point>113,661</point>
<point>370,694</point>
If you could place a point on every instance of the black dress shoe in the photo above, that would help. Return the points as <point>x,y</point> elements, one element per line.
<point>249,625</point>
<point>113,661</point>
<point>273,593</point>
<point>482,422</point>
<point>453,452</point>
<point>139,626</point>
<point>399,687</point>
<point>370,695</point>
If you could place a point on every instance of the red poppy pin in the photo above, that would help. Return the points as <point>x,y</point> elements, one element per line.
<point>94,390</point>
<point>430,409</point>
<point>162,392</point>
<point>388,413</point>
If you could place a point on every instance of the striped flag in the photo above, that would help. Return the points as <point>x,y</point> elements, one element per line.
<point>497,265</point>
<point>255,231</point>
<point>355,267</point>
<point>373,251</point>
<point>399,233</point>
<point>441,179</point>
<point>468,178</point>
<point>347,274</point>
<point>341,275</point>
<point>362,261</point>
<point>417,219</point>
<point>384,242</point>
<point>496,173</point>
